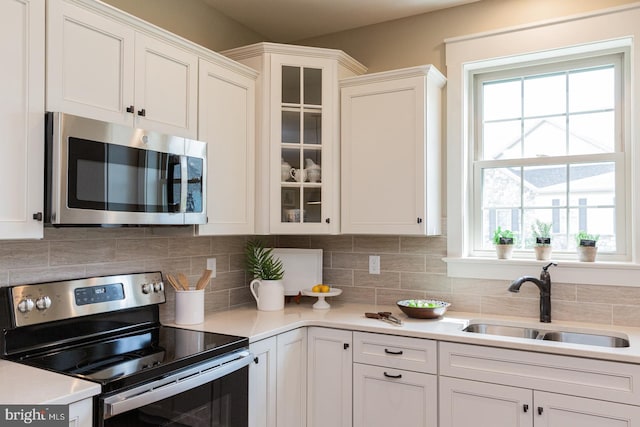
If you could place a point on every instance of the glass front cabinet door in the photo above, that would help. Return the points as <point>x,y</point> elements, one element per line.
<point>297,170</point>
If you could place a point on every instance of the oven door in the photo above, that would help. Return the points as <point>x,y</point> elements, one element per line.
<point>203,396</point>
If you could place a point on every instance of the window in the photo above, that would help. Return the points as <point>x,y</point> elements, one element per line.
<point>548,147</point>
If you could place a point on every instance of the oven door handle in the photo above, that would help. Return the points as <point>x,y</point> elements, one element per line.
<point>176,384</point>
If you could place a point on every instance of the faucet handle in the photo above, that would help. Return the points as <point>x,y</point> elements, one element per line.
<point>546,267</point>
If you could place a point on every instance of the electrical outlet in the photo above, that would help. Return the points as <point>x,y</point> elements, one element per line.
<point>211,265</point>
<point>374,264</point>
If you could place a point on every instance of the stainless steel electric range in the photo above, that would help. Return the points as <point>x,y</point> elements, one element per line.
<point>107,329</point>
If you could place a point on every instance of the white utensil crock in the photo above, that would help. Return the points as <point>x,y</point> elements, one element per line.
<point>189,307</point>
<point>269,294</point>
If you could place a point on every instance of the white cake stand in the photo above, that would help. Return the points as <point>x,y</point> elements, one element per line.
<point>321,304</point>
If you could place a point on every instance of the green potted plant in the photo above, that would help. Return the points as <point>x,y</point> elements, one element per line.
<point>503,240</point>
<point>266,272</point>
<point>587,246</point>
<point>541,232</point>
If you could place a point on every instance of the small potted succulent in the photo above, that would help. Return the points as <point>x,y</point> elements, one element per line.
<point>541,232</point>
<point>503,240</point>
<point>587,246</point>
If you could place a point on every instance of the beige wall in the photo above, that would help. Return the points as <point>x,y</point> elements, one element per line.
<point>193,20</point>
<point>420,39</point>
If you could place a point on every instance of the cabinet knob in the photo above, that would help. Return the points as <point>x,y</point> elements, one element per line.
<point>37,216</point>
<point>328,220</point>
<point>525,407</point>
<point>345,345</point>
<point>130,109</point>
<point>419,220</point>
<point>256,360</point>
<point>539,410</point>
<point>142,112</point>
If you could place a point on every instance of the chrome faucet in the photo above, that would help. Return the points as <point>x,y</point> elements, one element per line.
<point>544,284</point>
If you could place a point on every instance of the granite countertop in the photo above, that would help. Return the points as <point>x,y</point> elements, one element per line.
<point>22,384</point>
<point>257,325</point>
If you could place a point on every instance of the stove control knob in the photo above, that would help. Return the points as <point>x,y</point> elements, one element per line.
<point>158,287</point>
<point>26,305</point>
<point>43,303</point>
<point>147,288</point>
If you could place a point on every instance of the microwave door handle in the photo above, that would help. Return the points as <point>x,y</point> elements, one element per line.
<point>171,197</point>
<point>184,184</point>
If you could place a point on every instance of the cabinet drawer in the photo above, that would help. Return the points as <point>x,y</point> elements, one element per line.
<point>576,376</point>
<point>412,354</point>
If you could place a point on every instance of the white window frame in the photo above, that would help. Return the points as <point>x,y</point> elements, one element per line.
<point>607,30</point>
<point>592,59</point>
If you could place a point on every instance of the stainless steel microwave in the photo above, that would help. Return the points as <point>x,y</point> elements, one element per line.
<point>100,173</point>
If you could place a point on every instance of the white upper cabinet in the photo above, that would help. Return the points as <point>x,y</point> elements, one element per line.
<point>390,152</point>
<point>101,67</point>
<point>297,136</point>
<point>22,40</point>
<point>227,123</point>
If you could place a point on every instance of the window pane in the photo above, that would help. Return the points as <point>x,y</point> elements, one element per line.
<point>313,86</point>
<point>592,184</point>
<point>591,90</point>
<point>502,100</point>
<point>592,133</point>
<point>502,140</point>
<point>545,137</point>
<point>545,186</point>
<point>545,95</point>
<point>501,187</point>
<point>598,221</point>
<point>291,127</point>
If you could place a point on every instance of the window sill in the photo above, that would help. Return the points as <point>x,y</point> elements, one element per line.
<point>567,271</point>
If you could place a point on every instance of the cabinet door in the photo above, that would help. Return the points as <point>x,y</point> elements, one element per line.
<point>384,397</point>
<point>558,410</point>
<point>465,403</point>
<point>329,373</point>
<point>166,87</point>
<point>89,64</point>
<point>304,120</point>
<point>81,413</point>
<point>390,155</point>
<point>292,378</point>
<point>227,123</point>
<point>262,384</point>
<point>21,117</point>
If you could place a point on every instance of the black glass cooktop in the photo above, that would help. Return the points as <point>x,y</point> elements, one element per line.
<point>124,360</point>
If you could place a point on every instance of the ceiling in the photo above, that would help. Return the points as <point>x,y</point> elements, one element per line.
<point>290,20</point>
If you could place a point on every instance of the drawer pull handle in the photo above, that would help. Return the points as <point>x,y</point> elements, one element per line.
<point>396,353</point>
<point>393,376</point>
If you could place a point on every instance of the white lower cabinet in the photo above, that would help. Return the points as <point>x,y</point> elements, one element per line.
<point>511,388</point>
<point>394,381</point>
<point>385,397</point>
<point>465,403</point>
<point>81,413</point>
<point>278,381</point>
<point>329,394</point>
<point>262,384</point>
<point>291,384</point>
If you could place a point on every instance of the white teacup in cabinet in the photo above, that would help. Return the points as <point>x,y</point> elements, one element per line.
<point>297,135</point>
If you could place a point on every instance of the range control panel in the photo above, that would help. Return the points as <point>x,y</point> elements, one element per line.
<point>47,302</point>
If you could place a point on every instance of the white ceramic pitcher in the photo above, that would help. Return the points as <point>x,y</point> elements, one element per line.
<point>269,294</point>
